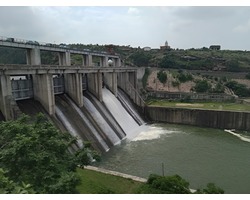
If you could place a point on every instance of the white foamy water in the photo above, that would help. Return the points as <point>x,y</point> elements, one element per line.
<point>91,127</point>
<point>128,124</point>
<point>152,133</point>
<point>243,138</point>
<point>101,121</point>
<point>69,127</point>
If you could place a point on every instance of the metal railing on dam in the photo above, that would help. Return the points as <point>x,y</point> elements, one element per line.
<point>17,69</point>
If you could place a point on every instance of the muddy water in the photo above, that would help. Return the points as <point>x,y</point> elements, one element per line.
<point>200,155</point>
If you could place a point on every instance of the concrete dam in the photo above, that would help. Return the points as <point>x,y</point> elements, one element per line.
<point>103,118</point>
<point>93,102</point>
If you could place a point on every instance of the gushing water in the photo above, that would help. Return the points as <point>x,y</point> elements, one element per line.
<point>68,126</point>
<point>101,122</point>
<point>92,128</point>
<point>129,106</point>
<point>128,124</point>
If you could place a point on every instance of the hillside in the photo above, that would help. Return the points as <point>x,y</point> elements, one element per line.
<point>191,81</point>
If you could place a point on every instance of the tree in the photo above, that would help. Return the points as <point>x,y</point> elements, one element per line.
<point>183,77</point>
<point>239,89</point>
<point>174,185</point>
<point>141,58</point>
<point>168,61</point>
<point>233,66</point>
<point>37,154</point>
<point>219,88</point>
<point>162,76</point>
<point>212,189</point>
<point>165,185</point>
<point>247,75</point>
<point>9,187</point>
<point>202,86</point>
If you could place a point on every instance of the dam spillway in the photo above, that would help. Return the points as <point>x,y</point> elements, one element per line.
<point>103,123</point>
<point>126,121</point>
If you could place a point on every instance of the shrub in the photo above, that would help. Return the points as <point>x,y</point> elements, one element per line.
<point>239,89</point>
<point>247,75</point>
<point>175,83</point>
<point>202,86</point>
<point>184,77</point>
<point>219,88</point>
<point>169,184</point>
<point>145,77</point>
<point>162,76</point>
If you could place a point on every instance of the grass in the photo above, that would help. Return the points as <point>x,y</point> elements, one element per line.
<point>93,182</point>
<point>206,105</point>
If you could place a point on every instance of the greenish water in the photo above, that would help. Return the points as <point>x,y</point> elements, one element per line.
<point>200,155</point>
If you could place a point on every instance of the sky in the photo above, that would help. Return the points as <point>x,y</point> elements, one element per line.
<point>182,27</point>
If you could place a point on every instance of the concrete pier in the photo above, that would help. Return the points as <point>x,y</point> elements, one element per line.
<point>44,91</point>
<point>33,56</point>
<point>6,97</point>
<point>95,85</point>
<point>110,79</point>
<point>64,58</point>
<point>73,87</point>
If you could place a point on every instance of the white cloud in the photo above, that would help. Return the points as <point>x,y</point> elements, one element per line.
<point>133,11</point>
<point>243,28</point>
<point>182,27</point>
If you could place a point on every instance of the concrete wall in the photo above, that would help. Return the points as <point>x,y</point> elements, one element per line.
<point>110,79</point>
<point>95,85</point>
<point>33,56</point>
<point>203,118</point>
<point>64,58</point>
<point>44,91</point>
<point>73,87</point>
<point>5,97</point>
<point>140,72</point>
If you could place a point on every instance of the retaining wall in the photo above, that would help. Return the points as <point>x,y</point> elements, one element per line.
<point>199,117</point>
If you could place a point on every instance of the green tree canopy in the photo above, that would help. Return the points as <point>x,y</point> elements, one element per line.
<point>162,76</point>
<point>169,184</point>
<point>37,154</point>
<point>9,187</point>
<point>202,86</point>
<point>140,58</point>
<point>175,184</point>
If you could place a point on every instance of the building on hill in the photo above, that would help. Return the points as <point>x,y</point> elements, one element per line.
<point>146,48</point>
<point>214,47</point>
<point>165,47</point>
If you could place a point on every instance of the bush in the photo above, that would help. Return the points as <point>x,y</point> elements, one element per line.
<point>37,154</point>
<point>184,77</point>
<point>247,75</point>
<point>169,184</point>
<point>173,185</point>
<point>202,86</point>
<point>145,77</point>
<point>175,83</point>
<point>212,189</point>
<point>219,88</point>
<point>239,89</point>
<point>162,76</point>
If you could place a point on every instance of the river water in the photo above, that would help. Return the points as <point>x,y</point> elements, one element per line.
<point>199,155</point>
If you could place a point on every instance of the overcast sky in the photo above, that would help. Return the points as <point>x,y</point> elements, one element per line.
<point>182,27</point>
